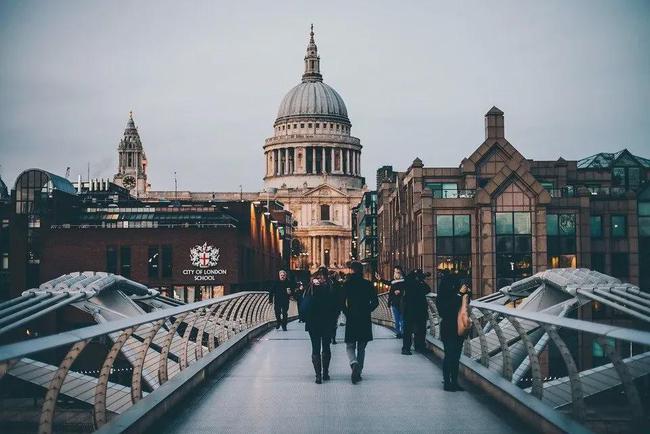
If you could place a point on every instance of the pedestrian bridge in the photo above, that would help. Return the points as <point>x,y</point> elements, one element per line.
<point>154,364</point>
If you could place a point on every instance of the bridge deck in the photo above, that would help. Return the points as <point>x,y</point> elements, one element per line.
<point>270,389</point>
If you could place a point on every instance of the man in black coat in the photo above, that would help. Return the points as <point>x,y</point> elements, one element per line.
<point>414,306</point>
<point>360,299</point>
<point>279,294</point>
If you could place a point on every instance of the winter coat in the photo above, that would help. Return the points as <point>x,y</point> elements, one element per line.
<point>279,293</point>
<point>414,302</point>
<point>360,299</point>
<point>448,301</point>
<point>320,308</point>
<point>396,299</point>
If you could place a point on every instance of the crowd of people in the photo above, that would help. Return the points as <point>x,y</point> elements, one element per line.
<point>326,295</point>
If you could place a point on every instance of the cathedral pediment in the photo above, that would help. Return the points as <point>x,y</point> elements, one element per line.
<point>324,190</point>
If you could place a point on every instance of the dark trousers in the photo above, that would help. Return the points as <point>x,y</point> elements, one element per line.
<point>299,302</point>
<point>281,314</point>
<point>453,348</point>
<point>417,327</point>
<point>320,342</point>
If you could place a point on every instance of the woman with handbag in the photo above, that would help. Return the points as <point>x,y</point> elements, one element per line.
<point>319,309</point>
<point>451,302</point>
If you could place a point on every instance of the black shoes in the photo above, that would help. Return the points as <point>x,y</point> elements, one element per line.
<point>316,361</point>
<point>356,373</point>
<point>277,326</point>
<point>456,387</point>
<point>406,352</point>
<point>326,366</point>
<point>448,388</point>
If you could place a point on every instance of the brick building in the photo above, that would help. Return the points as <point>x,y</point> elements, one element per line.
<point>191,251</point>
<point>499,217</point>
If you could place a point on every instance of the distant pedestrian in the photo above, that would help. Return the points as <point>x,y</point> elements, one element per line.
<point>320,305</point>
<point>360,299</point>
<point>395,296</point>
<point>415,311</point>
<point>298,293</point>
<point>448,303</point>
<point>279,293</point>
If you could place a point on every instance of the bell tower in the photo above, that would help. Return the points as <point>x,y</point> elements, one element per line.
<point>132,166</point>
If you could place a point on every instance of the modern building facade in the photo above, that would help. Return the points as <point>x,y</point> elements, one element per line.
<point>499,217</point>
<point>189,250</point>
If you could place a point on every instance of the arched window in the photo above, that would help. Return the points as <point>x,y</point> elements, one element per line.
<point>324,212</point>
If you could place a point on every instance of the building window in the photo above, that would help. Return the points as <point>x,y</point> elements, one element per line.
<point>5,261</point>
<point>111,259</point>
<point>548,185</point>
<point>618,226</point>
<point>295,126</point>
<point>561,240</point>
<point>598,262</point>
<point>596,226</point>
<point>167,261</point>
<point>317,125</point>
<point>302,125</point>
<point>453,246</point>
<point>626,177</point>
<point>620,265</point>
<point>644,219</point>
<point>125,261</point>
<point>309,125</point>
<point>443,189</point>
<point>153,262</point>
<point>513,247</point>
<point>324,212</point>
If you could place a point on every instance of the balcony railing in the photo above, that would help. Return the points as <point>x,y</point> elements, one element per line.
<point>454,194</point>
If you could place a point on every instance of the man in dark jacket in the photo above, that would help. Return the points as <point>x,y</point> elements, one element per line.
<point>360,299</point>
<point>279,294</point>
<point>414,306</point>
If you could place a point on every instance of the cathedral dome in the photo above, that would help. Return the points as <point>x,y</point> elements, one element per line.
<point>312,98</point>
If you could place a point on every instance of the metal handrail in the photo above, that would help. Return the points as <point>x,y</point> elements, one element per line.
<point>25,348</point>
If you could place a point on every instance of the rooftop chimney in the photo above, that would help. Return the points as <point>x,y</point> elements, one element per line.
<point>494,124</point>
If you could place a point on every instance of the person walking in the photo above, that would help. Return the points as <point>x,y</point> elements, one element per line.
<point>414,304</point>
<point>360,299</point>
<point>395,295</point>
<point>448,302</point>
<point>320,305</point>
<point>279,294</point>
<point>298,293</point>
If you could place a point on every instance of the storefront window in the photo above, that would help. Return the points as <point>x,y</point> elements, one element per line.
<point>618,226</point>
<point>561,240</point>
<point>166,261</point>
<point>153,262</point>
<point>513,247</point>
<point>125,261</point>
<point>453,246</point>
<point>111,259</point>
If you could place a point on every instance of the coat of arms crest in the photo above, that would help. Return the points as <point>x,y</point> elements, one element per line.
<point>204,256</point>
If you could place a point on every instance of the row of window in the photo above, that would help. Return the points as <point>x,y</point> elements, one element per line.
<point>159,261</point>
<point>317,125</point>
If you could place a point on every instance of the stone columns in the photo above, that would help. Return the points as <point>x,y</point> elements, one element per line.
<point>313,159</point>
<point>322,250</point>
<point>332,151</point>
<point>323,164</point>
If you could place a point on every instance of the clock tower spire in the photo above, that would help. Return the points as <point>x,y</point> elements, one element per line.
<point>132,161</point>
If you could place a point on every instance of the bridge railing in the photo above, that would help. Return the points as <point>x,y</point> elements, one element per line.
<point>597,374</point>
<point>77,381</point>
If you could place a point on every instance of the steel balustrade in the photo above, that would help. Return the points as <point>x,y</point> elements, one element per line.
<point>512,343</point>
<point>87,376</point>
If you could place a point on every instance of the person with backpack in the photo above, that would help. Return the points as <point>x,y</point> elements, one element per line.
<point>448,302</point>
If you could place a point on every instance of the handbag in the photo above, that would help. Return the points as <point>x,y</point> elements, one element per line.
<point>463,321</point>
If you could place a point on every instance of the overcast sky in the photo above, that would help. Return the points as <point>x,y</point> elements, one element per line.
<point>205,80</point>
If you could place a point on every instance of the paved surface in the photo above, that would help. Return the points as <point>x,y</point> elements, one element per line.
<point>271,389</point>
